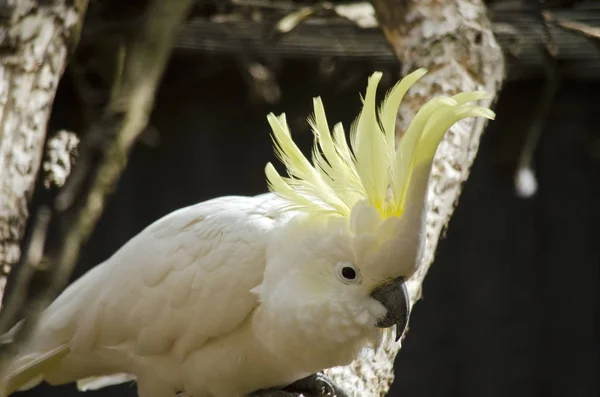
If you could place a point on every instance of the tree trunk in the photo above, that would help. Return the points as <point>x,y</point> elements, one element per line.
<point>35,40</point>
<point>454,41</point>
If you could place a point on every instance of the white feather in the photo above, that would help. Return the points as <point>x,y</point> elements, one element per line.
<point>182,281</point>
<point>100,382</point>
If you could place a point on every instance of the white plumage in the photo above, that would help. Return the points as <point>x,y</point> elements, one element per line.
<point>181,284</point>
<point>237,294</point>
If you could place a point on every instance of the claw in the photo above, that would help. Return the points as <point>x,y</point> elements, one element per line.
<point>317,385</point>
<point>275,393</point>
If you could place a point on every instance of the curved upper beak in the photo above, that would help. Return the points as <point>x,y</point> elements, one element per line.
<point>393,295</point>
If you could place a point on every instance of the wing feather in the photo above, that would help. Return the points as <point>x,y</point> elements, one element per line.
<point>184,279</point>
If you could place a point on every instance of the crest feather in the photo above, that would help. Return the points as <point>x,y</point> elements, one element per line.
<point>373,168</point>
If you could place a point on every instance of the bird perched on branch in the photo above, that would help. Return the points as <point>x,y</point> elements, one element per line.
<point>255,295</point>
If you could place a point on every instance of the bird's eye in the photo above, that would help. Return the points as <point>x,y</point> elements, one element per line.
<point>348,273</point>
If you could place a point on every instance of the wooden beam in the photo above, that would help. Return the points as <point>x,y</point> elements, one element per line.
<point>518,27</point>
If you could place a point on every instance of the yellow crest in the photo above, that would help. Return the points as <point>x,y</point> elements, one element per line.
<point>373,167</point>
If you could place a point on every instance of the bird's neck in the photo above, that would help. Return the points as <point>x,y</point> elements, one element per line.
<point>308,347</point>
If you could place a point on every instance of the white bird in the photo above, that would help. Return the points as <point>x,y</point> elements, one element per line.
<point>237,295</point>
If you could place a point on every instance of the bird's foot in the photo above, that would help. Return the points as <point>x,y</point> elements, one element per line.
<point>275,393</point>
<point>315,385</point>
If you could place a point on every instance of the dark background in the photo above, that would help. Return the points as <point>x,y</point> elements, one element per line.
<point>510,304</point>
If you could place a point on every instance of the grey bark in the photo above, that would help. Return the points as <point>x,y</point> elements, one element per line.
<point>35,40</point>
<point>454,40</point>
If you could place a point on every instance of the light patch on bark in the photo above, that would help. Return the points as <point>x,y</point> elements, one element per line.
<point>61,152</point>
<point>35,43</point>
<point>454,41</point>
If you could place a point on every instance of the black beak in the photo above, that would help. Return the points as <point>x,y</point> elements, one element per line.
<point>394,297</point>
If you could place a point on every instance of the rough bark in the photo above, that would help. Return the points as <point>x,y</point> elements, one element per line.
<point>35,40</point>
<point>454,40</point>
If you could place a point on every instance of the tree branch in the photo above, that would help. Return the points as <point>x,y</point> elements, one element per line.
<point>71,217</point>
<point>454,40</point>
<point>35,39</point>
<point>389,13</point>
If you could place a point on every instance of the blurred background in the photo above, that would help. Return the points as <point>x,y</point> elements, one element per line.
<point>510,304</point>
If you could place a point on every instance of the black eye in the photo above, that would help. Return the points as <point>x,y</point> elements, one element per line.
<point>348,273</point>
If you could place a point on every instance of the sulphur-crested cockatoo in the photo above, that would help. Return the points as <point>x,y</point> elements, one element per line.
<point>242,295</point>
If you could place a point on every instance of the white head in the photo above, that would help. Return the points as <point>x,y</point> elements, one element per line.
<point>336,267</point>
